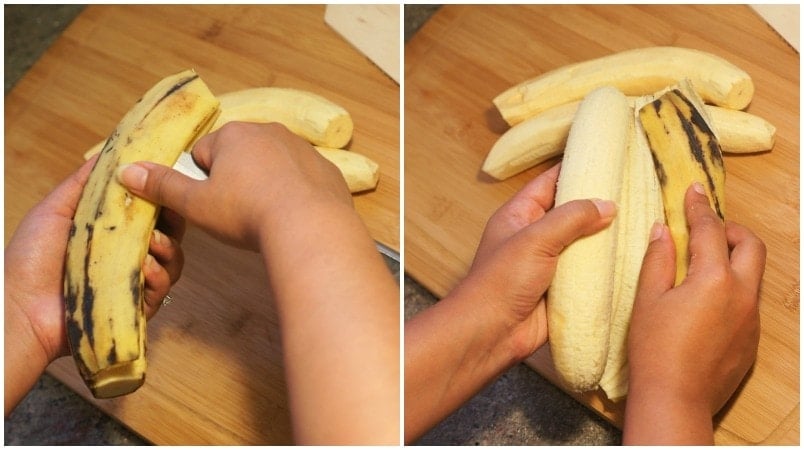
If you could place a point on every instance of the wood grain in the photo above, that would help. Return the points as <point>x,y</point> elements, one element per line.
<point>466,55</point>
<point>215,371</point>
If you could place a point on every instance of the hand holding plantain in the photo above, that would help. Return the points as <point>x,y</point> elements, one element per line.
<point>34,307</point>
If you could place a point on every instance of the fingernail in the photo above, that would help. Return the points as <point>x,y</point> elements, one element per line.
<point>132,176</point>
<point>656,231</point>
<point>150,261</point>
<point>606,208</point>
<point>699,188</point>
<point>160,238</point>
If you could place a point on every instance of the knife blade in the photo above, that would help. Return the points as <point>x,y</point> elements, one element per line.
<point>187,166</point>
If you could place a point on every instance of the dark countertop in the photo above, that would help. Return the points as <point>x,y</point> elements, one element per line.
<point>520,408</point>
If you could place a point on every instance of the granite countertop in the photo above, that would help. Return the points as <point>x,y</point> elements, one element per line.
<point>520,408</point>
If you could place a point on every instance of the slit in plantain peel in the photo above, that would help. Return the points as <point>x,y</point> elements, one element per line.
<point>103,279</point>
<point>685,150</point>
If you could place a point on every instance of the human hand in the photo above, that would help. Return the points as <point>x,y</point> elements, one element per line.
<point>517,255</point>
<point>689,347</point>
<point>496,316</point>
<point>257,173</point>
<point>34,263</point>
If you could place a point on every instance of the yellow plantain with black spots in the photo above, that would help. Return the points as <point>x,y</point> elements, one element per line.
<point>685,150</point>
<point>103,279</point>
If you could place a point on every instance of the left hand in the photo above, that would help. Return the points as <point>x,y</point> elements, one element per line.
<point>517,254</point>
<point>34,262</point>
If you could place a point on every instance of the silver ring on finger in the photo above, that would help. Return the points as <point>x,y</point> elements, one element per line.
<point>166,300</point>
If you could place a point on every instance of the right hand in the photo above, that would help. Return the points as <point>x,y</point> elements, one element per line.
<point>256,173</point>
<point>690,346</point>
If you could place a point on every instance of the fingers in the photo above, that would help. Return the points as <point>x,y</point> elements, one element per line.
<point>658,272</point>
<point>566,223</point>
<point>157,284</point>
<point>525,207</point>
<point>202,151</point>
<point>529,203</point>
<point>538,192</point>
<point>162,268</point>
<point>159,184</point>
<point>707,243</point>
<point>168,254</point>
<point>172,224</point>
<point>208,147</point>
<point>748,254</point>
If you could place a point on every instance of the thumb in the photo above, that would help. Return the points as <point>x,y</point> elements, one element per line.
<point>564,224</point>
<point>157,183</point>
<point>658,272</point>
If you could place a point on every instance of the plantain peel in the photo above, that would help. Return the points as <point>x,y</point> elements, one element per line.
<point>685,150</point>
<point>103,278</point>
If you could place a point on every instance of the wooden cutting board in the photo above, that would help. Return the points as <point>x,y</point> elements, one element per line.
<point>215,371</point>
<point>466,55</point>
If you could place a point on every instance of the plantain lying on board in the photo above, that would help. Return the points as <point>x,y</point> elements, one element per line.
<point>103,279</point>
<point>685,150</point>
<point>636,72</point>
<point>318,120</point>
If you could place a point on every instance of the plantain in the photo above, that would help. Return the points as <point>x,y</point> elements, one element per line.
<point>360,172</point>
<point>103,278</point>
<point>579,305</point>
<point>636,72</point>
<point>309,115</point>
<point>685,149</point>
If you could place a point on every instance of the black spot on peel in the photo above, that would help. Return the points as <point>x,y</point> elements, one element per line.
<point>170,91</point>
<point>109,145</point>
<point>692,138</point>
<point>136,286</point>
<point>111,358</point>
<point>695,127</point>
<point>74,333</point>
<point>70,297</point>
<point>88,301</point>
<point>660,172</point>
<point>176,87</point>
<point>657,106</point>
<point>88,292</point>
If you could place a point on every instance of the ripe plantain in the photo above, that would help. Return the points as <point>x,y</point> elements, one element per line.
<point>636,72</point>
<point>103,279</point>
<point>579,304</point>
<point>309,115</point>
